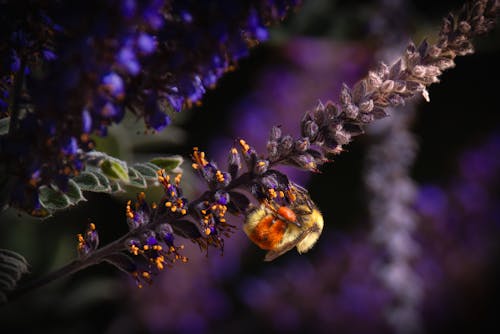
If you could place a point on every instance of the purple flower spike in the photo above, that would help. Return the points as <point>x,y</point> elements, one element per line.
<point>114,84</point>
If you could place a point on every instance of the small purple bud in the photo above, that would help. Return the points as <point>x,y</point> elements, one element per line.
<point>146,43</point>
<point>221,197</point>
<point>126,58</point>
<point>71,146</point>
<point>114,84</point>
<point>86,121</point>
<point>49,55</point>
<point>151,241</point>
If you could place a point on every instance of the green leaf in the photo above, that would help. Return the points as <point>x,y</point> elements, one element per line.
<point>136,179</point>
<point>74,192</point>
<point>146,171</point>
<point>103,182</point>
<point>12,267</point>
<point>4,125</point>
<point>52,199</point>
<point>87,181</point>
<point>115,186</point>
<point>168,163</point>
<point>115,169</point>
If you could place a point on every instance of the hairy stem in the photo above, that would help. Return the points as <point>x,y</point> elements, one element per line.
<point>73,267</point>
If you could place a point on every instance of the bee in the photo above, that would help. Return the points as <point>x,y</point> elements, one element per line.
<point>278,228</point>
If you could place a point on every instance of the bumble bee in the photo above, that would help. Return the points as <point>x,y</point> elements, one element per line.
<point>278,228</point>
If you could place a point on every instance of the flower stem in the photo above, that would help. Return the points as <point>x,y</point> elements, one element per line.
<point>72,267</point>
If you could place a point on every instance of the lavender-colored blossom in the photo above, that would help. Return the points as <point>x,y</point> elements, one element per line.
<point>86,63</point>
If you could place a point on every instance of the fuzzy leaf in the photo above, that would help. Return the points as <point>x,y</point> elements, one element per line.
<point>122,262</point>
<point>115,169</point>
<point>87,181</point>
<point>168,163</point>
<point>103,182</point>
<point>94,157</point>
<point>136,179</point>
<point>146,171</point>
<point>4,125</point>
<point>52,199</point>
<point>74,192</point>
<point>12,267</point>
<point>115,186</point>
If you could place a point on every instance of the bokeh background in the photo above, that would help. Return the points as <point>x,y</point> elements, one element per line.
<point>339,286</point>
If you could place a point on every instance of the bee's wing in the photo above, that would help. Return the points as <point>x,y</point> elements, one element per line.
<point>271,255</point>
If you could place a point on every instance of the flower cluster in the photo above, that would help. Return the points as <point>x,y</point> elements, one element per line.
<point>87,242</point>
<point>152,237</point>
<point>328,127</point>
<point>148,57</point>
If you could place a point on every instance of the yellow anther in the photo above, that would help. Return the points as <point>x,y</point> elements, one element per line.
<point>261,163</point>
<point>134,249</point>
<point>234,150</point>
<point>282,194</point>
<point>208,231</point>
<point>244,146</point>
<point>178,178</point>
<point>145,247</point>
<point>146,275</point>
<point>168,204</point>
<point>173,209</point>
<point>183,211</point>
<point>154,205</point>
<point>141,196</point>
<point>194,165</point>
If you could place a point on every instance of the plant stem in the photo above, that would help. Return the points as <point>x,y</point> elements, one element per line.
<point>74,266</point>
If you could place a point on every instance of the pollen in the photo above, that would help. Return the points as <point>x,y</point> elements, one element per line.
<point>245,147</point>
<point>134,249</point>
<point>199,158</point>
<point>128,210</point>
<point>168,204</point>
<point>219,176</point>
<point>207,231</point>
